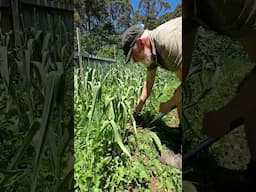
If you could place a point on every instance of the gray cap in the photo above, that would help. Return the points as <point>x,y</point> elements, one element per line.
<point>129,38</point>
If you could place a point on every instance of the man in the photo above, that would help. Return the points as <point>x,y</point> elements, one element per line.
<point>237,19</point>
<point>160,47</point>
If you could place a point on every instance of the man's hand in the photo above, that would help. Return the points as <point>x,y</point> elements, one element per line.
<point>139,107</point>
<point>138,119</point>
<point>175,101</point>
<point>215,124</point>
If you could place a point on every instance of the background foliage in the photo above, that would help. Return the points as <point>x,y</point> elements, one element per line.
<point>104,21</point>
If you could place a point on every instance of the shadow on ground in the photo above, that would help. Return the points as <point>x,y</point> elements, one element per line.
<point>209,177</point>
<point>169,136</point>
<point>202,169</point>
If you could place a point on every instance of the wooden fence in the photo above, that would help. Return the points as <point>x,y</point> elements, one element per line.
<point>88,59</point>
<point>34,13</point>
<point>16,15</point>
<point>94,60</point>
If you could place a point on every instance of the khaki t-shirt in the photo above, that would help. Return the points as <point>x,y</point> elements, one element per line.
<point>166,41</point>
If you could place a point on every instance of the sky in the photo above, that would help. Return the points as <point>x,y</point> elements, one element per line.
<point>173,3</point>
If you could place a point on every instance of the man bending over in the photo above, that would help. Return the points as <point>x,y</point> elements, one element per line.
<point>161,47</point>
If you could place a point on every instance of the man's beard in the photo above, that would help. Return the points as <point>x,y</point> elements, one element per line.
<point>148,58</point>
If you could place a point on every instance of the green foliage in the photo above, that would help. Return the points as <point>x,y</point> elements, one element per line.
<point>35,111</point>
<point>107,51</point>
<point>112,155</point>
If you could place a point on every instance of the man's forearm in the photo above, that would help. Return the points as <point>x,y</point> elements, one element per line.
<point>174,101</point>
<point>177,97</point>
<point>146,90</point>
<point>188,41</point>
<point>177,100</point>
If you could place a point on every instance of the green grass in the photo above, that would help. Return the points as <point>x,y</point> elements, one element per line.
<point>110,153</point>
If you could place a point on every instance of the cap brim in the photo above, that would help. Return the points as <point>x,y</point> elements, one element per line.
<point>128,56</point>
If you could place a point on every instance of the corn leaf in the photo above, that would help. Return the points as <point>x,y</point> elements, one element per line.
<point>118,138</point>
<point>4,69</point>
<point>53,76</point>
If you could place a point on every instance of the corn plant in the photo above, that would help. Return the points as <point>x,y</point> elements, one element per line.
<point>108,148</point>
<point>37,101</point>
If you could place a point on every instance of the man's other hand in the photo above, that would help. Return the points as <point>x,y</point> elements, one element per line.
<point>166,107</point>
<point>138,119</point>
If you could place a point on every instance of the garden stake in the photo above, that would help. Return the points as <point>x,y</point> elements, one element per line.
<point>204,144</point>
<point>158,117</point>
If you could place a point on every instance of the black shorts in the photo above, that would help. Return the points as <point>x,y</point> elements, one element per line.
<point>234,18</point>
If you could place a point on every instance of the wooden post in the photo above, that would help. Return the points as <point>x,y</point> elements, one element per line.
<point>16,22</point>
<point>115,52</point>
<point>80,59</point>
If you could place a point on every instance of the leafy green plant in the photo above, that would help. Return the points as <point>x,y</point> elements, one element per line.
<point>111,154</point>
<point>36,99</point>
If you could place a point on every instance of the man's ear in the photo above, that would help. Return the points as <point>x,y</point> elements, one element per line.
<point>140,42</point>
<point>143,42</point>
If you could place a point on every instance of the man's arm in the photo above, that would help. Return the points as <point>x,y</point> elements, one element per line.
<point>147,88</point>
<point>174,101</point>
<point>187,49</point>
<point>188,41</point>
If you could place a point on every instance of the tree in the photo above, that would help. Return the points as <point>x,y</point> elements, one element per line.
<point>102,21</point>
<point>120,13</point>
<point>170,15</point>
<point>150,10</point>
